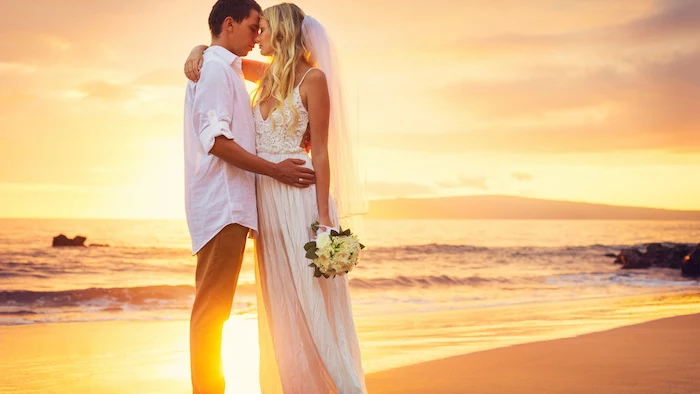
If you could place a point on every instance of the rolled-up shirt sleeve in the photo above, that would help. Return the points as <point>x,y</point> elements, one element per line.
<point>213,104</point>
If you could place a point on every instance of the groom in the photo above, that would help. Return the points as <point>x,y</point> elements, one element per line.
<point>220,163</point>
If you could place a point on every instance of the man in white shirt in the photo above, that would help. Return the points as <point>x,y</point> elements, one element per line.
<point>220,163</point>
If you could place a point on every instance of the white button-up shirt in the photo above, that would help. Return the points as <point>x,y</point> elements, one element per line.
<point>217,193</point>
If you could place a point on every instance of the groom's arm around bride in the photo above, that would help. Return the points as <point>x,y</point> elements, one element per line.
<point>212,92</point>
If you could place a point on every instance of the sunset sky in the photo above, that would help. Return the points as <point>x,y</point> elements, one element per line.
<point>595,101</point>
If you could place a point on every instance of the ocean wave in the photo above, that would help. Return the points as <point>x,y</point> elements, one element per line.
<point>47,319</point>
<point>147,297</point>
<point>17,313</point>
<point>421,282</point>
<point>96,296</point>
<point>419,252</point>
<point>429,249</point>
<point>654,278</point>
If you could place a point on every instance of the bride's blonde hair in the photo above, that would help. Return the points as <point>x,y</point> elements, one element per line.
<point>285,22</point>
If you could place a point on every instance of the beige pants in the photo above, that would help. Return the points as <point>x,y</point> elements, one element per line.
<point>218,266</point>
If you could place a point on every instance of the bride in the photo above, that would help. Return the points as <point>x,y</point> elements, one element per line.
<point>308,342</point>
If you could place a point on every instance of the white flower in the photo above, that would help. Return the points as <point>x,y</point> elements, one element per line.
<point>325,252</point>
<point>343,255</point>
<point>322,262</point>
<point>323,240</point>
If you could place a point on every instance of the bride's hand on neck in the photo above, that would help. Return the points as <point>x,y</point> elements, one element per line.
<point>194,62</point>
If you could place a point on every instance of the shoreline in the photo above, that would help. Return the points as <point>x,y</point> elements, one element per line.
<point>86,357</point>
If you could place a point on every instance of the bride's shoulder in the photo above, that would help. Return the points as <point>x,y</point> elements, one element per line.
<point>314,79</point>
<point>314,73</point>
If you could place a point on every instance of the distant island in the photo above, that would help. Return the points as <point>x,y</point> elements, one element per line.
<point>513,207</point>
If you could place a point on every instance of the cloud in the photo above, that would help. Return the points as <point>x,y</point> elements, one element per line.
<point>672,20</point>
<point>522,176</point>
<point>124,35</point>
<point>470,182</point>
<point>675,18</point>
<point>575,140</point>
<point>652,106</point>
<point>162,77</point>
<point>16,98</point>
<point>17,68</point>
<point>112,91</point>
<point>48,187</point>
<point>108,91</point>
<point>389,189</point>
<point>563,87</point>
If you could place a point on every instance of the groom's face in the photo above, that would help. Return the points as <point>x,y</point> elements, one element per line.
<point>245,33</point>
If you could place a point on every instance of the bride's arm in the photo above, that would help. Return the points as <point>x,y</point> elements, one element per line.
<point>252,69</point>
<point>318,104</point>
<point>194,62</point>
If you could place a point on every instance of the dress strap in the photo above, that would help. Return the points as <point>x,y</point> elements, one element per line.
<point>304,76</point>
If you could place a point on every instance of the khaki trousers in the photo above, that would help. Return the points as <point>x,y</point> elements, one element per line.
<point>218,266</point>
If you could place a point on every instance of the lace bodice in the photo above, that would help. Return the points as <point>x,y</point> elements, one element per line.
<point>282,135</point>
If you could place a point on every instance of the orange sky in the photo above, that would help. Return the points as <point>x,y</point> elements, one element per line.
<point>566,99</point>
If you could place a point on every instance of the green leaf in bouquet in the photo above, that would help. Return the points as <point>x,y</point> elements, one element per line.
<point>326,276</point>
<point>309,245</point>
<point>362,246</point>
<point>334,233</point>
<point>317,273</point>
<point>346,232</point>
<point>314,226</point>
<point>311,253</point>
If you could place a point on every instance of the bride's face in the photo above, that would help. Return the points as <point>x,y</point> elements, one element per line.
<point>264,40</point>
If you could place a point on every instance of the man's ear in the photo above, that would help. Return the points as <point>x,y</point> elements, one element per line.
<point>229,23</point>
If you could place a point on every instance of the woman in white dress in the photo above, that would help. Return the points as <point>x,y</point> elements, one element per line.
<point>308,342</point>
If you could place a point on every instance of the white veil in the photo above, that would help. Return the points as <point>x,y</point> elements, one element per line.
<point>347,180</point>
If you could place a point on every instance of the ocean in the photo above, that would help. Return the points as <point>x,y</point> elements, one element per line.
<point>409,266</point>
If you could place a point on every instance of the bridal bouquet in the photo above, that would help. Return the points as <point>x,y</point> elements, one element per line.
<point>333,253</point>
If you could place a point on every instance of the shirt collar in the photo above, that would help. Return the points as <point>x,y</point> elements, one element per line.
<point>225,54</point>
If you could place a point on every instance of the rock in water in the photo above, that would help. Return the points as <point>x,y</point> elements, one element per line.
<point>62,240</point>
<point>691,264</point>
<point>678,253</point>
<point>633,258</point>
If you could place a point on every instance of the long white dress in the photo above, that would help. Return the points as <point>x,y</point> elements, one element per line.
<point>308,342</point>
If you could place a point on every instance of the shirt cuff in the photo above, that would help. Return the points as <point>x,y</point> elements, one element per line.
<point>213,130</point>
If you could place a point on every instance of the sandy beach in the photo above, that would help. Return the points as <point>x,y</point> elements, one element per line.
<point>660,356</point>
